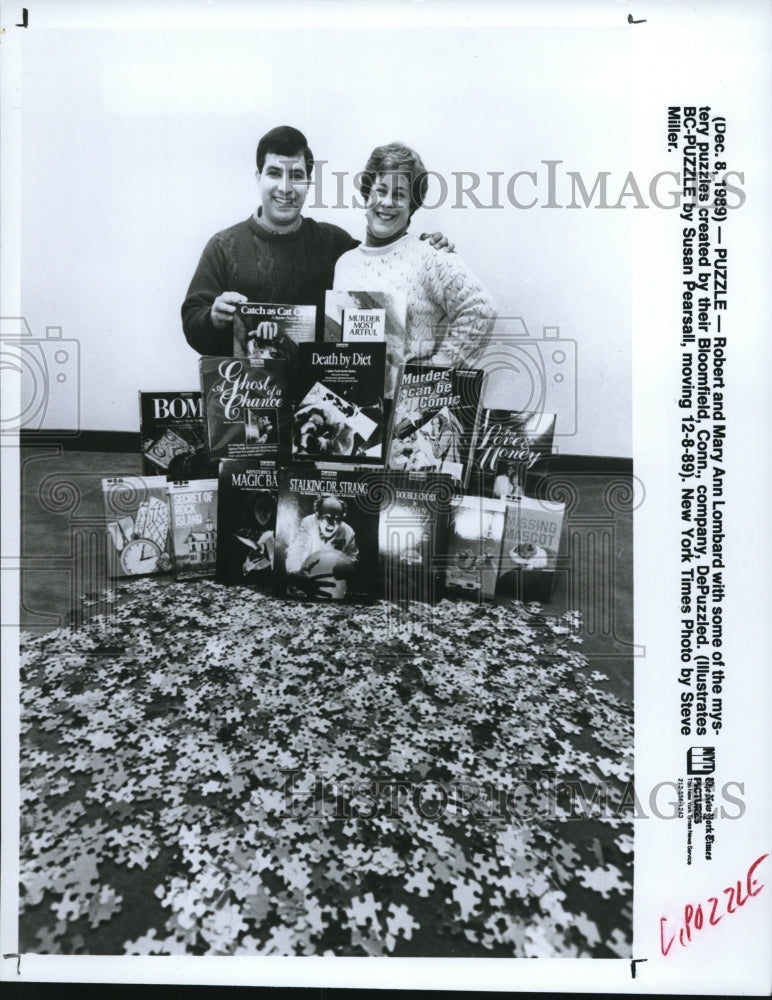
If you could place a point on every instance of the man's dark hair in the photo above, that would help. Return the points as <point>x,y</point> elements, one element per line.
<point>284,140</point>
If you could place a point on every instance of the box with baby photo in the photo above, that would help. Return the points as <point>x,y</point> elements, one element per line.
<point>474,547</point>
<point>327,533</point>
<point>246,521</point>
<point>339,403</point>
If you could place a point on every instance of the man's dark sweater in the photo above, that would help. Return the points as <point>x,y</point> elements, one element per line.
<point>296,268</point>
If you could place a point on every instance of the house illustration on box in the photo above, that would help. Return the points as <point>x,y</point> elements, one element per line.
<point>202,545</point>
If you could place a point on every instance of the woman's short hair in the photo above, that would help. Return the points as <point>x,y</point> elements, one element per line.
<point>284,140</point>
<point>396,158</point>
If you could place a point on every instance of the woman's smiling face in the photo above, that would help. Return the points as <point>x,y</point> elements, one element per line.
<point>388,205</point>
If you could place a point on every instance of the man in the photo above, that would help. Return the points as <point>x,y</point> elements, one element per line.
<point>277,255</point>
<point>324,529</point>
<point>323,555</point>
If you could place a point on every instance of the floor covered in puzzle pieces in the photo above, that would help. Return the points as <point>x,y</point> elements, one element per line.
<point>204,773</point>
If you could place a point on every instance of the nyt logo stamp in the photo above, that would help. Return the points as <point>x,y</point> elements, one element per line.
<point>701,760</point>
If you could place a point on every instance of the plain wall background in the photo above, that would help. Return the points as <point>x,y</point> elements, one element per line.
<point>137,146</point>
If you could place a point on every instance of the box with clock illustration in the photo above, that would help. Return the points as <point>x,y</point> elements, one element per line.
<point>138,525</point>
<point>194,527</point>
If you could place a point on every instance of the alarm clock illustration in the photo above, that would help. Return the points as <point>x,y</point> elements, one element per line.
<point>140,555</point>
<point>141,542</point>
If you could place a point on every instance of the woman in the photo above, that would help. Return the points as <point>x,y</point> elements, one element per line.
<point>449,312</point>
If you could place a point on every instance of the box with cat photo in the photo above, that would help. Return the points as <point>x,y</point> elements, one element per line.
<point>272,329</point>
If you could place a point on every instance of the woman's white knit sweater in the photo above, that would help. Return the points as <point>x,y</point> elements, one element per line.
<point>449,311</point>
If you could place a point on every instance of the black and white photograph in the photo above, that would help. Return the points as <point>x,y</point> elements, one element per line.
<point>246,406</point>
<point>410,621</point>
<point>173,431</point>
<point>339,413</point>
<point>266,330</point>
<point>193,507</point>
<point>327,535</point>
<point>246,522</point>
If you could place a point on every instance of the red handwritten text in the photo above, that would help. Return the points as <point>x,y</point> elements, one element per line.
<point>698,917</point>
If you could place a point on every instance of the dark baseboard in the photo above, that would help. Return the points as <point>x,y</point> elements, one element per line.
<point>131,443</point>
<point>110,441</point>
<point>575,464</point>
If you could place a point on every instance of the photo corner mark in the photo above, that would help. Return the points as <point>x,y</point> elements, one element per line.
<point>17,956</point>
<point>24,23</point>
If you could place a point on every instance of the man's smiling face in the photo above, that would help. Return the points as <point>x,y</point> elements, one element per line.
<point>283,186</point>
